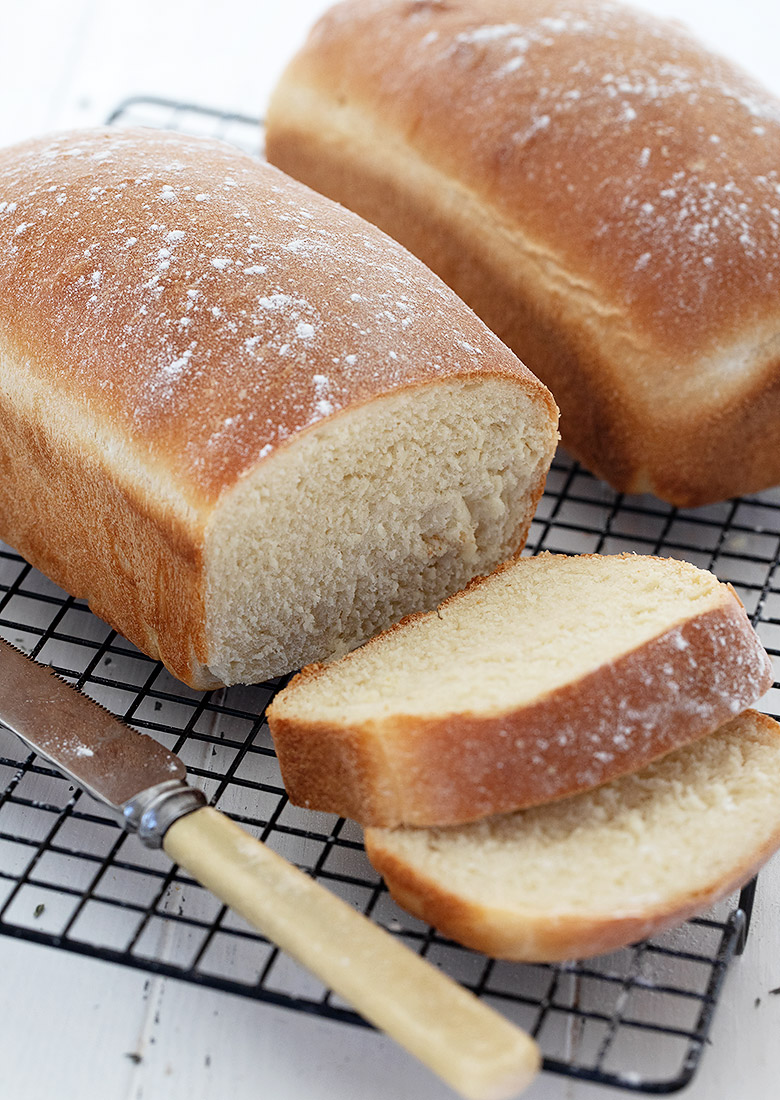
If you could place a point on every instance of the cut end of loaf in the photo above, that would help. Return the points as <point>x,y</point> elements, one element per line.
<point>383,510</point>
<point>593,873</point>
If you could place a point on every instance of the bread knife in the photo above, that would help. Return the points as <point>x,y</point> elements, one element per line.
<point>474,1049</point>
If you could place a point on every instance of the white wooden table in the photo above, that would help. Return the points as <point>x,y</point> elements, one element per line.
<point>69,1025</point>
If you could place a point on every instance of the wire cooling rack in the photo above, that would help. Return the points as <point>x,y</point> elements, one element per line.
<point>637,1019</point>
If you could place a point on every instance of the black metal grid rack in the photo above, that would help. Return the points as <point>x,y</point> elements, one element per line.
<point>70,878</point>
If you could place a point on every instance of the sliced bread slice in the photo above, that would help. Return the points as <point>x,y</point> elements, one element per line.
<point>550,676</point>
<point>603,869</point>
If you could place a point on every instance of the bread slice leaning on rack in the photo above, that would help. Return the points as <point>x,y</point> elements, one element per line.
<point>608,867</point>
<point>550,676</point>
<point>247,426</point>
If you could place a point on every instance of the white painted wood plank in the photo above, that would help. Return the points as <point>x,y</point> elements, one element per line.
<point>191,1040</point>
<point>40,41</point>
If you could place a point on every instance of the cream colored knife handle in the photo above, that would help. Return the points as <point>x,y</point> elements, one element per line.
<point>474,1049</point>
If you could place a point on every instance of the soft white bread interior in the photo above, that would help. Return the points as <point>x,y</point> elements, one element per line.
<point>550,676</point>
<point>597,185</point>
<point>244,424</point>
<point>603,869</point>
<point>371,516</point>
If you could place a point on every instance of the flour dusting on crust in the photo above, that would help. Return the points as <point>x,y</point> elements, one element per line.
<point>648,174</point>
<point>194,285</point>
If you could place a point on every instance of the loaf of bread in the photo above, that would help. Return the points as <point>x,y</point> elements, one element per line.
<point>602,190</point>
<point>601,870</point>
<point>245,425</point>
<point>550,676</point>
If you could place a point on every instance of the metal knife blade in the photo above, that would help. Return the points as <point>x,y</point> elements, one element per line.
<point>110,760</point>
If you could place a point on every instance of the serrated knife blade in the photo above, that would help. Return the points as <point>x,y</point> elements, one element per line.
<point>110,760</point>
<point>477,1051</point>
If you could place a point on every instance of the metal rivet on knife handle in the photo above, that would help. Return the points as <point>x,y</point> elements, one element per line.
<point>153,811</point>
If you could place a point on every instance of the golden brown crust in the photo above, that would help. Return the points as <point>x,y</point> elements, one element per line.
<point>176,286</point>
<point>533,936</point>
<point>485,137</point>
<point>494,931</point>
<point>504,934</point>
<point>171,312</point>
<point>139,568</point>
<point>455,768</point>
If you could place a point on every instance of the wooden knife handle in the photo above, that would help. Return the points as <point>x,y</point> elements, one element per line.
<point>474,1049</point>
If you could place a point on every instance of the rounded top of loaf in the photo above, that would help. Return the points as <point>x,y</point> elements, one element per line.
<point>208,307</point>
<point>644,165</point>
